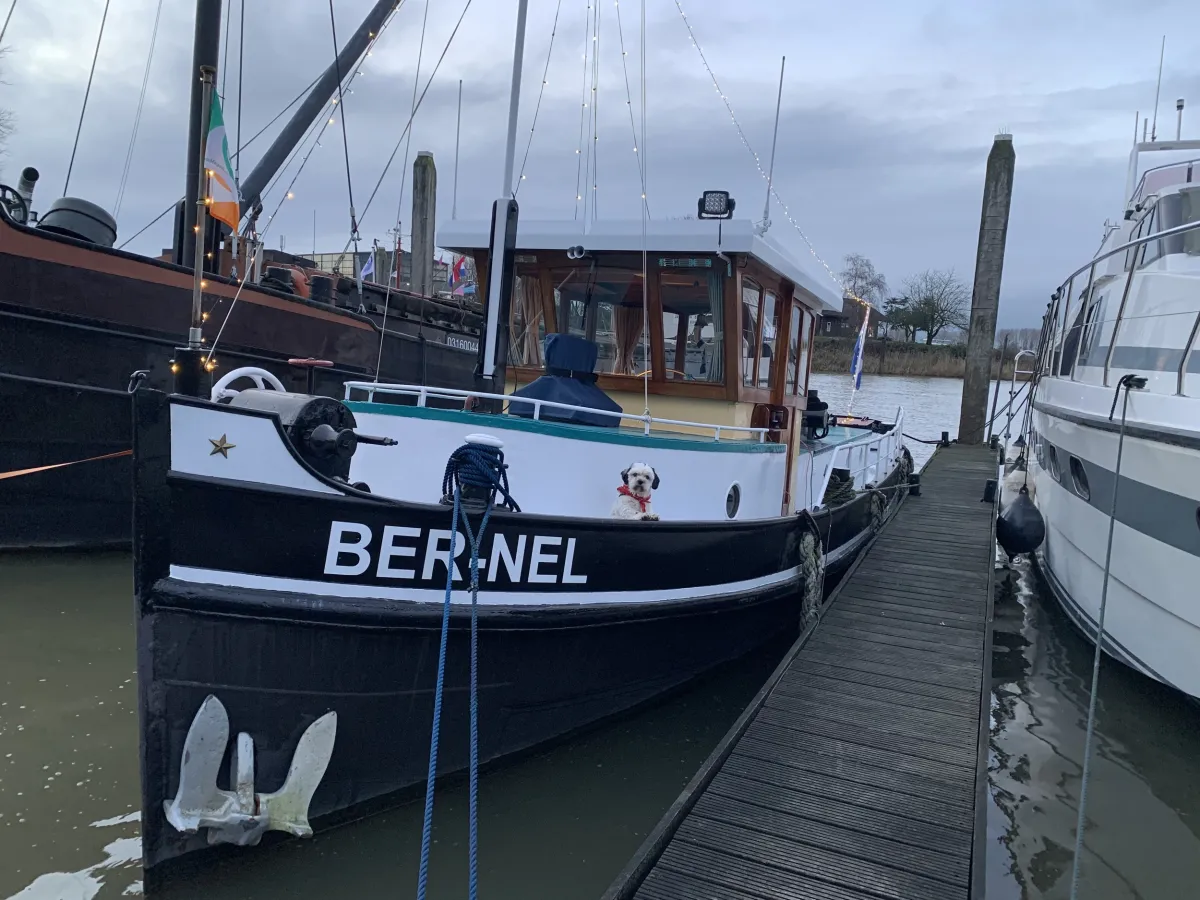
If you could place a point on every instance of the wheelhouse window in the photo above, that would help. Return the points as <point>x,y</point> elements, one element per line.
<point>527,321</point>
<point>691,298</point>
<point>769,331</point>
<point>604,304</point>
<point>751,305</point>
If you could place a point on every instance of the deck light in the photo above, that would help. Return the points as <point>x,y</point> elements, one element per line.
<point>715,205</point>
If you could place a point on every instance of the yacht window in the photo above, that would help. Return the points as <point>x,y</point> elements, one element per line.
<point>604,305</point>
<point>1151,250</point>
<point>1177,209</point>
<point>692,327</point>
<point>1079,477</point>
<point>751,302</point>
<point>1052,460</point>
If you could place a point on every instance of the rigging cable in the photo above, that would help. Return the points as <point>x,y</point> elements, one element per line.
<point>1127,382</point>
<point>408,125</point>
<point>595,111</point>
<point>225,59</point>
<point>137,118</point>
<point>7,19</point>
<point>400,205</point>
<point>237,138</point>
<point>345,145</point>
<point>249,268</point>
<point>757,162</point>
<point>86,94</point>
<point>234,157</point>
<point>629,98</point>
<point>587,24</point>
<point>537,107</point>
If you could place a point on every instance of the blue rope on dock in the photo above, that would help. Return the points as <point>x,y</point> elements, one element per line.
<point>478,466</point>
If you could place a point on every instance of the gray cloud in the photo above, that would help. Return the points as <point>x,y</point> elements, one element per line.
<point>887,117</point>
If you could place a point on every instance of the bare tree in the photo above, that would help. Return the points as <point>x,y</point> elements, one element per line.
<point>937,300</point>
<point>860,279</point>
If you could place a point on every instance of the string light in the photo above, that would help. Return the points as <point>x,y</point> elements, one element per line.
<point>758,163</point>
<point>587,21</point>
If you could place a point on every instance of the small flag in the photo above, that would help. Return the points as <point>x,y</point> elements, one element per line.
<point>856,361</point>
<point>458,271</point>
<point>222,192</point>
<point>368,268</point>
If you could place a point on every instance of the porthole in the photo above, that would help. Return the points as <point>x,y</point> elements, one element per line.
<point>733,500</point>
<point>1079,476</point>
<point>1052,463</point>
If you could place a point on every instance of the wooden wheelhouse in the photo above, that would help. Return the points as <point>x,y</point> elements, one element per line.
<point>729,315</point>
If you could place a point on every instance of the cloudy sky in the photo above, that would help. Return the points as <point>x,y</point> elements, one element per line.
<point>887,119</point>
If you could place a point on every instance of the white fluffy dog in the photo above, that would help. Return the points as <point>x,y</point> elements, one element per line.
<point>633,500</point>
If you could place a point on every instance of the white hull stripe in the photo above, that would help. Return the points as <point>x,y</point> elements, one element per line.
<point>461,596</point>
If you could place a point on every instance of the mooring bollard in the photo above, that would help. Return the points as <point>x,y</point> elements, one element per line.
<point>914,484</point>
<point>945,439</point>
<point>989,491</point>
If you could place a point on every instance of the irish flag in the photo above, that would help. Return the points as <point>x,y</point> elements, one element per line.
<point>222,193</point>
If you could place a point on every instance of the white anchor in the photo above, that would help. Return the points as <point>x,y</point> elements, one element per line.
<point>241,816</point>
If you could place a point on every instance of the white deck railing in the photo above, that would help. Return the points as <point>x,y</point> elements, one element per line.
<point>424,393</point>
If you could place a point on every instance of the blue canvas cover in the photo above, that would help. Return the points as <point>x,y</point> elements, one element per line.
<point>569,378</point>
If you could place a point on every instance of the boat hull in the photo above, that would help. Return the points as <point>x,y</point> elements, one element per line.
<point>287,602</point>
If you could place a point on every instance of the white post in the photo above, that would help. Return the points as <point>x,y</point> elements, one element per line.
<point>766,223</point>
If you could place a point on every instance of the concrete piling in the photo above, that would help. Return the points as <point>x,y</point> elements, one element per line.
<point>985,296</point>
<point>424,210</point>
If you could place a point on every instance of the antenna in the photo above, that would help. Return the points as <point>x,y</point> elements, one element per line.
<point>1179,120</point>
<point>766,222</point>
<point>1158,88</point>
<point>1137,117</point>
<point>1145,129</point>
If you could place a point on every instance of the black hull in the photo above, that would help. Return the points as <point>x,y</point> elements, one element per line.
<point>277,673</point>
<point>76,321</point>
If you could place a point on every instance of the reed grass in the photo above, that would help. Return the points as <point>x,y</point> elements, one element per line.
<point>832,355</point>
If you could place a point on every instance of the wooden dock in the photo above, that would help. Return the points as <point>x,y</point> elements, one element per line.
<point>859,770</point>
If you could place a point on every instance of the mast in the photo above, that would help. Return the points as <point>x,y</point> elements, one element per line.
<point>206,46</point>
<point>493,347</point>
<point>306,113</point>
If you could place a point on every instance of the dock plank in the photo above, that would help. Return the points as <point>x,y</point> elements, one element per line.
<point>856,773</point>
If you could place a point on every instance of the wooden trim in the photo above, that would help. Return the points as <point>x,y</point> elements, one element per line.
<point>701,390</point>
<point>549,311</point>
<point>658,365</point>
<point>731,319</point>
<point>783,303</point>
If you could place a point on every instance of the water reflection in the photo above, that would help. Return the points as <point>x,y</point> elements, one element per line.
<point>1143,837</point>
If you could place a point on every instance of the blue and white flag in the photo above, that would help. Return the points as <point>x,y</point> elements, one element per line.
<point>856,361</point>
<point>368,268</point>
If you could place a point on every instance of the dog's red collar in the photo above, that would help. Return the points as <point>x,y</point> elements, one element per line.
<point>642,501</point>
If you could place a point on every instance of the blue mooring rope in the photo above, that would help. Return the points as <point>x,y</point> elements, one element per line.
<point>482,466</point>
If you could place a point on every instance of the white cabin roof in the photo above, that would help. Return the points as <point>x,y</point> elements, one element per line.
<point>662,236</point>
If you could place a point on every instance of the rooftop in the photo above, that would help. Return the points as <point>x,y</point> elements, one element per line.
<point>662,236</point>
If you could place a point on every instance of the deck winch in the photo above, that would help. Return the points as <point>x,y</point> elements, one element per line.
<point>320,429</point>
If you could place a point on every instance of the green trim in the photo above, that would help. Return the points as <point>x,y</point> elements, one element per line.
<point>628,436</point>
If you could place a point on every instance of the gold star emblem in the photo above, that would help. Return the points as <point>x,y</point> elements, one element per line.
<point>222,446</point>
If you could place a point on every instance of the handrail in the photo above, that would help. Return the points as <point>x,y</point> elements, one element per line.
<point>423,393</point>
<point>1136,195</point>
<point>1064,290</point>
<point>1136,242</point>
<point>1187,354</point>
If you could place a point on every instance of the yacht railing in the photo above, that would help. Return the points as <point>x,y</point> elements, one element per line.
<point>424,393</point>
<point>1051,362</point>
<point>1190,166</point>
